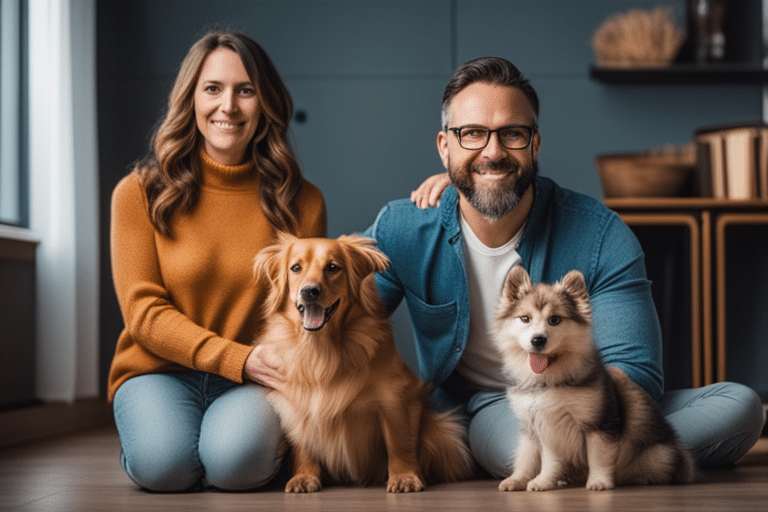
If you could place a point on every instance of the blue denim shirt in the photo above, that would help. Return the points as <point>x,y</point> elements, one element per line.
<point>565,230</point>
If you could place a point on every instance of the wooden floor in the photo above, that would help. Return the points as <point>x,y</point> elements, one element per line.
<point>81,473</point>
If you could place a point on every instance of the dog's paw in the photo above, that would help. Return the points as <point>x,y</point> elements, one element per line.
<point>542,484</point>
<point>303,483</point>
<point>600,484</point>
<point>406,482</point>
<point>512,483</point>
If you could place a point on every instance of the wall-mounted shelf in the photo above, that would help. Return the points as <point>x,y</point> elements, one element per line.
<point>720,73</point>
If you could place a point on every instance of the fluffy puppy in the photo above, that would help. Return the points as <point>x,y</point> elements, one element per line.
<point>579,421</point>
<point>351,409</point>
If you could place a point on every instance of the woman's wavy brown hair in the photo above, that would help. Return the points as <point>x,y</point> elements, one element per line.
<point>170,174</point>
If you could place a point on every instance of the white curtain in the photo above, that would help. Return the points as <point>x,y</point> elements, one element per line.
<point>64,195</point>
<point>10,21</point>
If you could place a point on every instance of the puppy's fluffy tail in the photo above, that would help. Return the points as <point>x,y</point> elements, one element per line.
<point>444,453</point>
<point>686,468</point>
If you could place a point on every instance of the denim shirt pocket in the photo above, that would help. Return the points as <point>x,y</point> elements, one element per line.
<point>435,328</point>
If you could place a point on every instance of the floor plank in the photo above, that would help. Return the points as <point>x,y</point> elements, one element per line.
<point>81,472</point>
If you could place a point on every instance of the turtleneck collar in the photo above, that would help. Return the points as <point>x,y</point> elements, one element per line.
<point>226,177</point>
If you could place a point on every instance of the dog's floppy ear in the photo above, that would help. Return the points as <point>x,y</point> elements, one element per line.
<point>516,284</point>
<point>266,263</point>
<point>270,263</point>
<point>575,286</point>
<point>365,257</point>
<point>364,260</point>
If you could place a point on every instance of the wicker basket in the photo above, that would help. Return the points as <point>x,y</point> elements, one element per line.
<point>638,38</point>
<point>645,174</point>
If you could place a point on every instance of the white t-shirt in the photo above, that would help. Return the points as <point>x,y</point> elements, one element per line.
<point>486,269</point>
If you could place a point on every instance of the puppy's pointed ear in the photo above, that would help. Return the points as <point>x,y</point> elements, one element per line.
<point>575,286</point>
<point>366,258</point>
<point>517,283</point>
<point>573,282</point>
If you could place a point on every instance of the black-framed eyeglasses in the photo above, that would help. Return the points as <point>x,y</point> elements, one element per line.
<point>514,136</point>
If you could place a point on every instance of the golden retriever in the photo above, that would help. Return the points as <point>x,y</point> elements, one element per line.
<point>350,402</point>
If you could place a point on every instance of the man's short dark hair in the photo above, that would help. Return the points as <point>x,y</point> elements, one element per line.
<point>492,70</point>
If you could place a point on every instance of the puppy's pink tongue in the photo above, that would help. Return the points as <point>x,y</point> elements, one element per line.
<point>538,363</point>
<point>314,317</point>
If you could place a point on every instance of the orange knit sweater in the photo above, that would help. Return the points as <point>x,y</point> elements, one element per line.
<point>190,301</point>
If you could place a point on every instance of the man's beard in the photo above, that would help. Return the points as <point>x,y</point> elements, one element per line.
<point>493,202</point>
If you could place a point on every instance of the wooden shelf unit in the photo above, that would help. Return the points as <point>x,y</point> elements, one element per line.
<point>707,219</point>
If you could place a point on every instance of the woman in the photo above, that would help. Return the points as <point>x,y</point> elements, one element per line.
<point>220,181</point>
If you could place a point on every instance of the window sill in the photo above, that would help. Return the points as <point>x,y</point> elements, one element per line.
<point>17,243</point>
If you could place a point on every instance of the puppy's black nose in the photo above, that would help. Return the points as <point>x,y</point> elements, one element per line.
<point>311,292</point>
<point>539,342</point>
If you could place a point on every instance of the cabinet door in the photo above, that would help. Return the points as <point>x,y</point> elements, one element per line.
<point>365,142</point>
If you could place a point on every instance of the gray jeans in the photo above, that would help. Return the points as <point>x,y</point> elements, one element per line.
<point>717,423</point>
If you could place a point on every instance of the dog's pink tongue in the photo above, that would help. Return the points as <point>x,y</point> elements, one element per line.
<point>538,363</point>
<point>314,317</point>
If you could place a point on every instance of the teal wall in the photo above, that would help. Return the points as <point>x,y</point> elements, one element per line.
<point>369,75</point>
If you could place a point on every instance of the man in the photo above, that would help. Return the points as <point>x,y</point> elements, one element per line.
<point>449,262</point>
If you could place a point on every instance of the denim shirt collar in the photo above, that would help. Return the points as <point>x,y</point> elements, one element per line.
<point>449,213</point>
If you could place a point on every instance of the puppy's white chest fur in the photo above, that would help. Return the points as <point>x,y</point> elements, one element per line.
<point>554,417</point>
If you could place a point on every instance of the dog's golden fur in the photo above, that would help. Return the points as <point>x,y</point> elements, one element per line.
<point>579,421</point>
<point>350,402</point>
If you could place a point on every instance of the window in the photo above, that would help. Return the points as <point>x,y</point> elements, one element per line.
<point>12,203</point>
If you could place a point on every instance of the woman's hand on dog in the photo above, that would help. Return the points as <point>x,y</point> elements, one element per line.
<point>262,367</point>
<point>429,192</point>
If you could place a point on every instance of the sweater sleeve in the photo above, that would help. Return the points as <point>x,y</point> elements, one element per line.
<point>150,316</point>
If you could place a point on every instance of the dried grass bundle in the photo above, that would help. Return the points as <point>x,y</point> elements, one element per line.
<point>638,38</point>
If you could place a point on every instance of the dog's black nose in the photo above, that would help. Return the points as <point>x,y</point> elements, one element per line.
<point>539,341</point>
<point>311,292</point>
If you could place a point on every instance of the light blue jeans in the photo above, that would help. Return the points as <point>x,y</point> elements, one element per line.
<point>717,423</point>
<point>189,431</point>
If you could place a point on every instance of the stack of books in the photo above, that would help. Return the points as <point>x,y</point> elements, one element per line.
<point>732,161</point>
